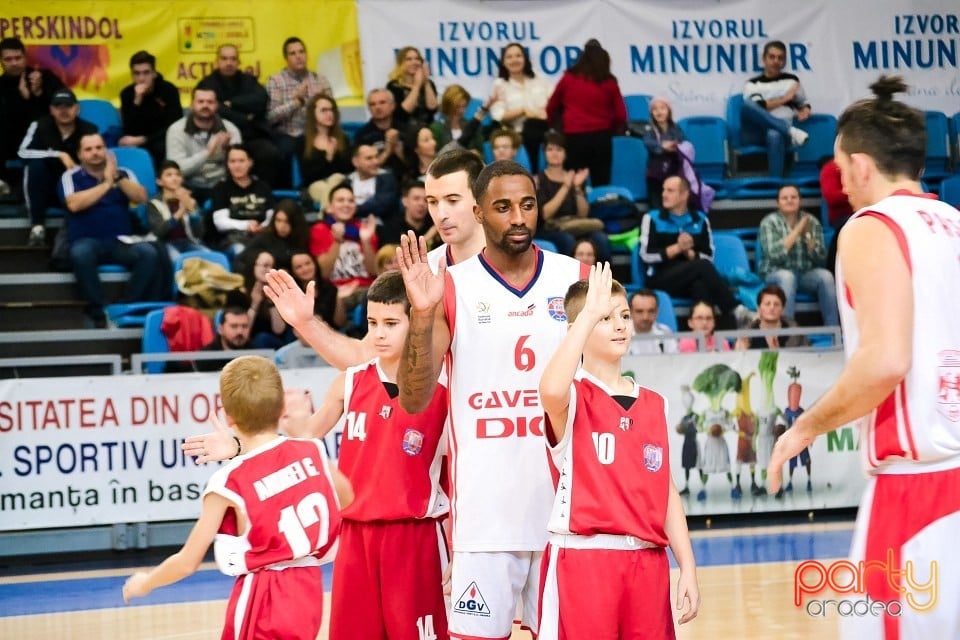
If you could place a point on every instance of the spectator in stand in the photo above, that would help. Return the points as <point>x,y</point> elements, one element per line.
<point>644,308</point>
<point>772,101</point>
<point>676,244</point>
<point>702,320</point>
<point>375,191</point>
<point>585,251</point>
<point>326,151</point>
<point>424,151</point>
<point>173,213</point>
<point>49,148</point>
<point>25,94</point>
<point>412,88</point>
<point>289,91</point>
<point>415,217</point>
<point>148,107</point>
<point>505,144</point>
<point>198,143</point>
<point>793,254</point>
<point>770,302</point>
<point>455,131</point>
<point>267,328</point>
<point>242,204</point>
<point>98,195</point>
<point>346,248</point>
<point>326,304</point>
<point>564,212</point>
<point>661,137</point>
<point>243,101</point>
<point>233,333</point>
<point>518,100</point>
<point>838,206</point>
<point>588,102</point>
<point>383,131</point>
<point>286,233</point>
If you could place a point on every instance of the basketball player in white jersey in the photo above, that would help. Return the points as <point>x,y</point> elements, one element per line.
<point>497,317</point>
<point>450,203</point>
<point>898,284</point>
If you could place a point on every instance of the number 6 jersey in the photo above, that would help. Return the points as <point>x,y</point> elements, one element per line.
<point>501,340</point>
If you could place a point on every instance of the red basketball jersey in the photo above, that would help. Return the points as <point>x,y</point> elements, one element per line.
<point>285,492</point>
<point>392,458</point>
<point>611,469</point>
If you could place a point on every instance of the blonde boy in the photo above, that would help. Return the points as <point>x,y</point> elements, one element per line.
<point>273,514</point>
<point>616,508</point>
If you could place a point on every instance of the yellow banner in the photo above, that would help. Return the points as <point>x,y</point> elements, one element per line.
<point>89,44</point>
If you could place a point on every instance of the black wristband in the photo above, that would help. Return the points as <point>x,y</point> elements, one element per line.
<point>239,447</point>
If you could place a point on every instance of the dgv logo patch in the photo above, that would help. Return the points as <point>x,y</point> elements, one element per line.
<point>471,602</point>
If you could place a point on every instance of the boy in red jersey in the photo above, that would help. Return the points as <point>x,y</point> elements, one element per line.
<point>273,514</point>
<point>605,570</point>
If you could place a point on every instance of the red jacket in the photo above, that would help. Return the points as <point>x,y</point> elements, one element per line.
<point>185,328</point>
<point>586,106</point>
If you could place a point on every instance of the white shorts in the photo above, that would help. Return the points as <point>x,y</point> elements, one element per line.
<point>491,590</point>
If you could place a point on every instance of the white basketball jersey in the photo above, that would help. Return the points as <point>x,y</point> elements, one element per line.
<point>502,338</point>
<point>920,421</point>
<point>434,255</point>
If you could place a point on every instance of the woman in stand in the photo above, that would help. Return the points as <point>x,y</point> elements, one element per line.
<point>661,138</point>
<point>424,151</point>
<point>455,130</point>
<point>589,104</point>
<point>519,100</point>
<point>287,233</point>
<point>326,303</point>
<point>267,328</point>
<point>242,204</point>
<point>326,150</point>
<point>412,88</point>
<point>702,320</point>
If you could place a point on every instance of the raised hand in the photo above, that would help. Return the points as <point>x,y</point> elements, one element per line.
<point>599,303</point>
<point>213,446</point>
<point>424,288</point>
<point>368,228</point>
<point>295,306</point>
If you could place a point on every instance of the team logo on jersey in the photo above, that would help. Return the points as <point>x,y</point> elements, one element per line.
<point>483,312</point>
<point>652,457</point>
<point>385,411</point>
<point>948,386</point>
<point>625,422</point>
<point>471,602</point>
<point>412,442</point>
<point>556,310</point>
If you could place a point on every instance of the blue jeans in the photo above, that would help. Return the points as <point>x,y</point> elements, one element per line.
<point>818,282</point>
<point>759,127</point>
<point>141,259</point>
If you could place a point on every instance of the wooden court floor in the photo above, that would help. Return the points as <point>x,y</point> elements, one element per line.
<point>741,599</point>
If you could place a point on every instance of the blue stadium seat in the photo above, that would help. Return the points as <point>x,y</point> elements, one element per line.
<point>735,133</point>
<point>938,149</point>
<point>955,140</point>
<point>665,311</point>
<point>139,161</point>
<point>522,158</point>
<point>350,129</point>
<point>950,191</point>
<point>638,107</point>
<point>822,128</point>
<point>103,114</point>
<point>153,340</point>
<point>730,254</point>
<point>709,138</point>
<point>545,245</point>
<point>638,274</point>
<point>472,106</point>
<point>629,166</point>
<point>752,188</point>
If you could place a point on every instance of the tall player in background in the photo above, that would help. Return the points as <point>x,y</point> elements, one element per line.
<point>898,283</point>
<point>274,511</point>
<point>497,318</point>
<point>450,203</point>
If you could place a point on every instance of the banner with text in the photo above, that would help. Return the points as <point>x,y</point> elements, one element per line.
<point>88,45</point>
<point>91,451</point>
<point>696,53</point>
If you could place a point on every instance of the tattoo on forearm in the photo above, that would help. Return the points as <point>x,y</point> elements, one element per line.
<point>416,377</point>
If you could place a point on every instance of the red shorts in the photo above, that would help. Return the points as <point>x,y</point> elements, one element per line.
<point>275,604</point>
<point>605,593</point>
<point>387,581</point>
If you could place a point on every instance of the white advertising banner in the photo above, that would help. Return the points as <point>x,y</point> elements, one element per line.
<point>696,53</point>
<point>101,450</point>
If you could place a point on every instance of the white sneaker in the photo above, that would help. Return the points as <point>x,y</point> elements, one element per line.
<point>798,136</point>
<point>38,235</point>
